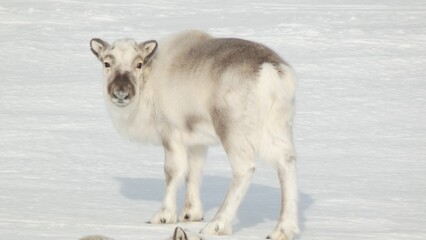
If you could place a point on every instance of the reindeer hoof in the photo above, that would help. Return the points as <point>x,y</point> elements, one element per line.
<point>191,215</point>
<point>217,228</point>
<point>164,216</point>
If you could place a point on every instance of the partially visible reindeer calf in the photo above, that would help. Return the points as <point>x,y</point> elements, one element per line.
<point>190,91</point>
<point>178,234</point>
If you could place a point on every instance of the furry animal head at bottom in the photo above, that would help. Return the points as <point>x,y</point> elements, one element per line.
<point>178,234</point>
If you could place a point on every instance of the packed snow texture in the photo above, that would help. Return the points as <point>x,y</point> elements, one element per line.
<point>360,128</point>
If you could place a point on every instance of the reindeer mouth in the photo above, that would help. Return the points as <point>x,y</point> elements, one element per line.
<point>120,102</point>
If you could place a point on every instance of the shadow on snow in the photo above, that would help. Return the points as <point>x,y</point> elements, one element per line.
<point>260,204</point>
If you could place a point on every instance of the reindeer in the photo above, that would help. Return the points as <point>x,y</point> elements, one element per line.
<point>190,91</point>
<point>178,234</point>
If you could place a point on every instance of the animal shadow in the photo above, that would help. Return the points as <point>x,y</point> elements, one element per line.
<point>260,204</point>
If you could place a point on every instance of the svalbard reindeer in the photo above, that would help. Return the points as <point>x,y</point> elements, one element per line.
<point>178,234</point>
<point>189,91</point>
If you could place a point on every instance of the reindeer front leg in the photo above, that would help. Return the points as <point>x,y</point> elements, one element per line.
<point>193,209</point>
<point>175,167</point>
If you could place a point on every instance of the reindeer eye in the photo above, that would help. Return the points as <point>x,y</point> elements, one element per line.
<point>107,65</point>
<point>139,66</point>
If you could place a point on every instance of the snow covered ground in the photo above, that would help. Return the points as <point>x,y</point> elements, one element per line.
<point>360,126</point>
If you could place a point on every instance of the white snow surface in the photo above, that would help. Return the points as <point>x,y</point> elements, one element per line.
<point>360,128</point>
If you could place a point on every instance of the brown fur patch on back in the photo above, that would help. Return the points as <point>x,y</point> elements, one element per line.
<point>224,54</point>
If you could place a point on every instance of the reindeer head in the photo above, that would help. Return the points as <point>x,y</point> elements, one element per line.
<point>180,234</point>
<point>123,63</point>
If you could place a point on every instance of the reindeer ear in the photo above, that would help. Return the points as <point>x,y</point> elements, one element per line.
<point>97,46</point>
<point>179,234</point>
<point>148,49</point>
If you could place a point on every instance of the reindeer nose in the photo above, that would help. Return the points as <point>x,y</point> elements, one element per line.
<point>121,93</point>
